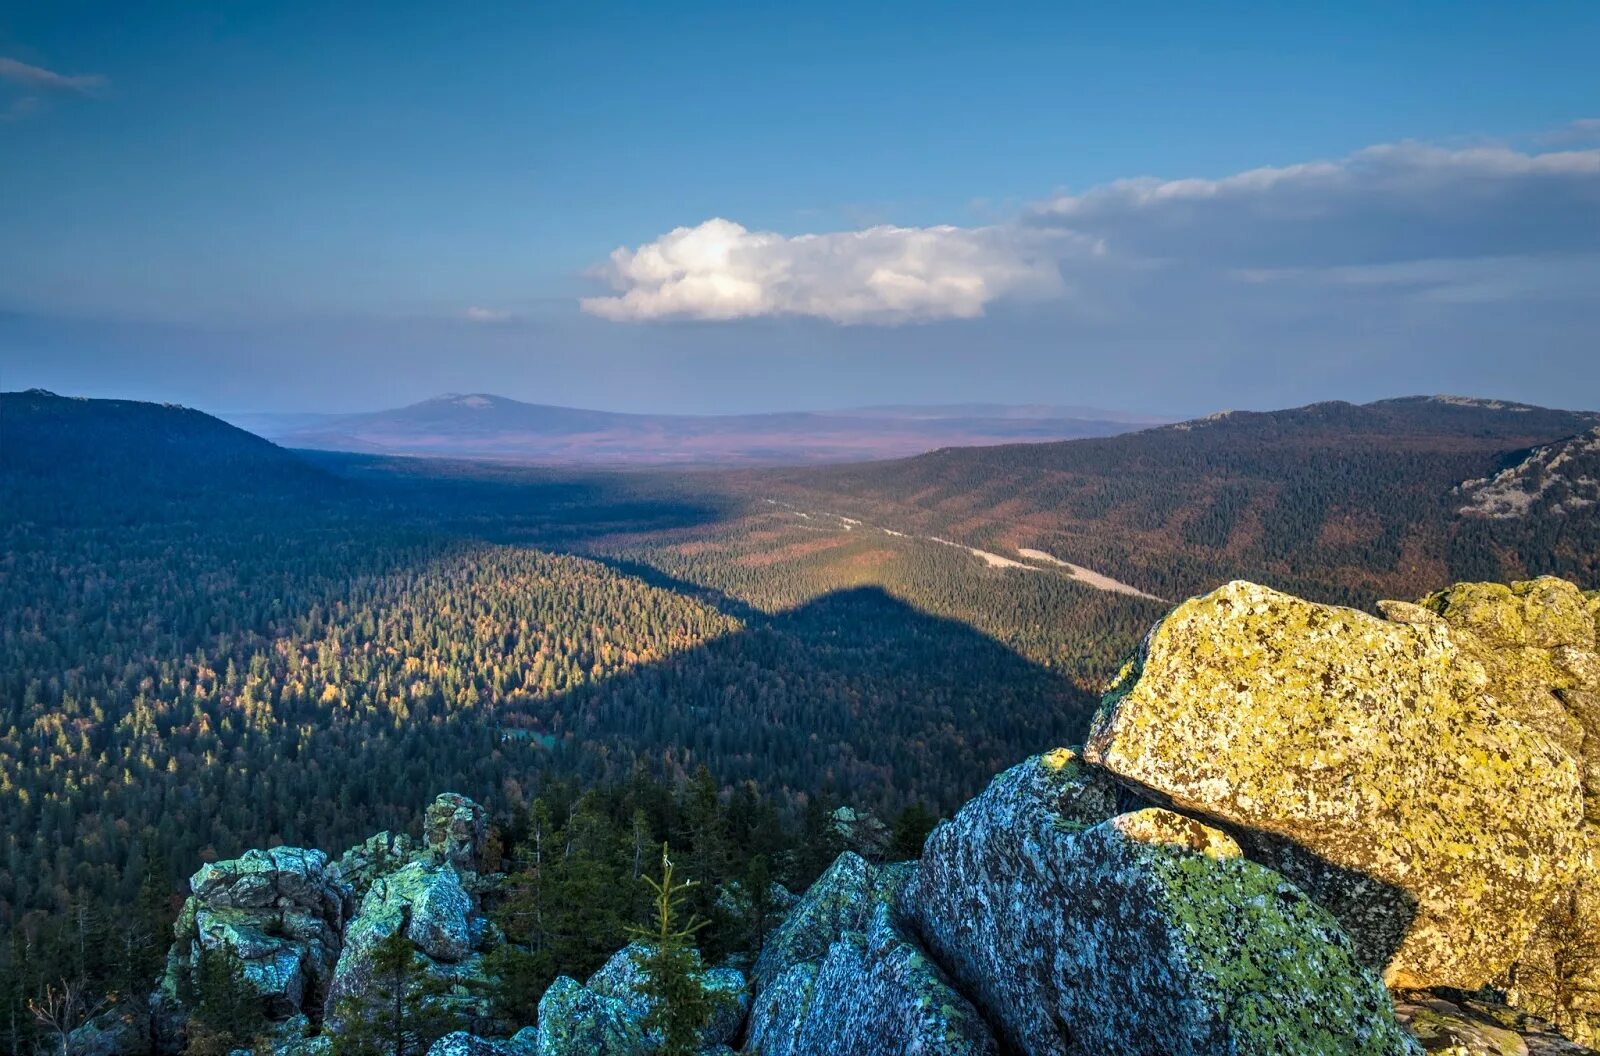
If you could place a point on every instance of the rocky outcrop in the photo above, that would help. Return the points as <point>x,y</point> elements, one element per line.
<point>1358,755</point>
<point>575,1020</point>
<point>1461,1027</point>
<point>860,831</point>
<point>1080,931</point>
<point>372,858</point>
<point>281,912</point>
<point>428,904</point>
<point>455,831</point>
<point>120,1031</point>
<point>841,900</point>
<point>622,978</point>
<point>873,994</point>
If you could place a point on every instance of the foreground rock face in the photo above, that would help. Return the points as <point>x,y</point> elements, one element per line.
<point>281,912</point>
<point>1079,934</point>
<point>1362,752</point>
<point>842,976</point>
<point>428,904</point>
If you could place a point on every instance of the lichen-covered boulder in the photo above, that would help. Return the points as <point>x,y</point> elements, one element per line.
<point>429,905</point>
<point>576,1021</point>
<point>860,831</point>
<point>281,912</point>
<point>455,830</point>
<point>1475,1028</point>
<point>842,899</point>
<point>373,857</point>
<point>872,994</point>
<point>461,1043</point>
<point>123,1030</point>
<point>1078,935</point>
<point>623,978</point>
<point>1373,752</point>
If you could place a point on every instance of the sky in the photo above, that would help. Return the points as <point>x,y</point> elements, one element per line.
<point>1164,208</point>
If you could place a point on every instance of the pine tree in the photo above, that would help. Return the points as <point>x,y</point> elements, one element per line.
<point>228,1013</point>
<point>680,1006</point>
<point>399,1012</point>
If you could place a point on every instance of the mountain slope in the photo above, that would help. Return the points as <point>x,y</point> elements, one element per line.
<point>1335,499</point>
<point>482,425</point>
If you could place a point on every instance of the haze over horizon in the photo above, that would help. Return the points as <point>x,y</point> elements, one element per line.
<point>1153,210</point>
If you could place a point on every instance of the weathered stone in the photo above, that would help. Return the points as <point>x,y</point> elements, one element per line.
<point>1145,933</point>
<point>455,830</point>
<point>373,857</point>
<point>280,912</point>
<point>463,1044</point>
<point>1475,1028</point>
<point>120,1031</point>
<point>842,899</point>
<point>436,914</point>
<point>576,1021</point>
<point>861,831</point>
<point>875,994</point>
<point>622,978</point>
<point>1376,749</point>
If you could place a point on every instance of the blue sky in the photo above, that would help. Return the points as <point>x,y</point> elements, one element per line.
<point>282,206</point>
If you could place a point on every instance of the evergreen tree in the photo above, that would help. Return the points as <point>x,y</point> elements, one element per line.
<point>680,1006</point>
<point>227,1010</point>
<point>399,1013</point>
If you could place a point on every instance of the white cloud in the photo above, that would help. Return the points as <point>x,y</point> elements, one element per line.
<point>1408,220</point>
<point>721,270</point>
<point>477,314</point>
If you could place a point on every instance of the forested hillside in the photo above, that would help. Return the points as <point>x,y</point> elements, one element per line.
<point>1333,500</point>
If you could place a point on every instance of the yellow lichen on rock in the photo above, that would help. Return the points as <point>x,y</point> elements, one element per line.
<point>1399,752</point>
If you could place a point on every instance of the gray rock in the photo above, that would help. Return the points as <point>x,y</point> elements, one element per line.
<point>576,1021</point>
<point>120,1031</point>
<point>841,900</point>
<point>455,830</point>
<point>876,994</point>
<point>622,979</point>
<point>861,831</point>
<point>1148,932</point>
<point>463,1044</point>
<point>374,857</point>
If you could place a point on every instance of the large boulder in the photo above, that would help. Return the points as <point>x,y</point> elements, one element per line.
<point>622,978</point>
<point>872,994</point>
<point>1362,755</point>
<point>455,830</point>
<point>428,904</point>
<point>374,857</point>
<point>842,899</point>
<point>123,1030</point>
<point>281,912</point>
<point>1079,933</point>
<point>576,1021</point>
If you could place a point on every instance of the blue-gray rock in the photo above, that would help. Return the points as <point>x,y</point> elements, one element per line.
<point>622,979</point>
<point>576,1021</point>
<point>463,1044</point>
<point>1146,932</point>
<point>842,899</point>
<point>872,994</point>
<point>455,830</point>
<point>123,1030</point>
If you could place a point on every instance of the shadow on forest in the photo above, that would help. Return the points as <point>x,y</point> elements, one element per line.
<point>855,692</point>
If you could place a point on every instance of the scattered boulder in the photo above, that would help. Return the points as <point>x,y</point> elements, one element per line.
<point>842,899</point>
<point>1365,752</point>
<point>461,1043</point>
<point>576,1021</point>
<point>861,831</point>
<point>372,858</point>
<point>1464,1027</point>
<point>281,912</point>
<point>455,830</point>
<point>1145,932</point>
<point>872,994</point>
<point>622,979</point>
<point>429,905</point>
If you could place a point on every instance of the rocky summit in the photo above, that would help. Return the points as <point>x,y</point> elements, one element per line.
<point>1295,830</point>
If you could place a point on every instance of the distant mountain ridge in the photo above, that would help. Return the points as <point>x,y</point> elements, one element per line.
<point>482,425</point>
<point>1344,501</point>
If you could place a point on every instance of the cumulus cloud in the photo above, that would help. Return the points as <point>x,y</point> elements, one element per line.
<point>722,270</point>
<point>1403,220</point>
<point>478,314</point>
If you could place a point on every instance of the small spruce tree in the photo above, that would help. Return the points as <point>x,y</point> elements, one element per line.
<point>680,1006</point>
